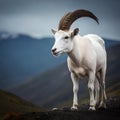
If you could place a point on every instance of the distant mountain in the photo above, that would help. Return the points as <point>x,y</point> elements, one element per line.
<point>11,103</point>
<point>22,57</point>
<point>54,87</point>
<point>110,42</point>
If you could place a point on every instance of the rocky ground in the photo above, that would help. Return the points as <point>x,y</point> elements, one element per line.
<point>111,113</point>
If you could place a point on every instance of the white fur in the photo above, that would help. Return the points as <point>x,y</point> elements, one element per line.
<point>86,58</point>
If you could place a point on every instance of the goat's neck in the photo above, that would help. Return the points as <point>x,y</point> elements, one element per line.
<point>75,55</point>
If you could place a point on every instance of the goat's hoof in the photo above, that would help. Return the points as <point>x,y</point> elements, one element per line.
<point>102,106</point>
<point>92,108</point>
<point>74,108</point>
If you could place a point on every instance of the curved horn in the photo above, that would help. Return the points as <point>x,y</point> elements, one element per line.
<point>70,17</point>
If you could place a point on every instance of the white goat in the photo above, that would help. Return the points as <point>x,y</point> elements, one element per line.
<point>86,57</point>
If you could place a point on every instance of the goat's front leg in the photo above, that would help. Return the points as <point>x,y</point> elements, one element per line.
<point>75,81</point>
<point>91,90</point>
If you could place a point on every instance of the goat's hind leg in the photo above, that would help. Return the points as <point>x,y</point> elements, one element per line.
<point>91,90</point>
<point>103,97</point>
<point>75,81</point>
<point>97,90</point>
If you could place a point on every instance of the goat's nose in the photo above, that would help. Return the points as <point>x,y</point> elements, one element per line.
<point>53,50</point>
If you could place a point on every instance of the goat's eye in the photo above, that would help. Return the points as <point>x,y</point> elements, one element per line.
<point>66,37</point>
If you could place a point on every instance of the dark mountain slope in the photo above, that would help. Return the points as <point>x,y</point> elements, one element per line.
<point>111,113</point>
<point>11,103</point>
<point>47,86</point>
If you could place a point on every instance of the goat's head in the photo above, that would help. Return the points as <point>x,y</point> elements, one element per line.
<point>63,36</point>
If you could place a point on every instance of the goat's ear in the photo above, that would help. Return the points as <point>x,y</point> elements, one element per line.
<point>53,31</point>
<point>75,32</point>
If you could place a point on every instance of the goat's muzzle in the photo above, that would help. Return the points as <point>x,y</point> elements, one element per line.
<point>54,51</point>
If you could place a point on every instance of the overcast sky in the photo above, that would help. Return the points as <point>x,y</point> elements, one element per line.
<point>37,17</point>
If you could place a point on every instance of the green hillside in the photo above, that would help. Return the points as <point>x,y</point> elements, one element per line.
<point>11,103</point>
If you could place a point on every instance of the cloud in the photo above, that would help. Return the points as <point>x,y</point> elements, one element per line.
<point>36,17</point>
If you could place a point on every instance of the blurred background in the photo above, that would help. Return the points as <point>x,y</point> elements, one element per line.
<point>29,72</point>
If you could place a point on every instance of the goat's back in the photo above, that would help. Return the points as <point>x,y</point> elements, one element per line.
<point>94,37</point>
<point>98,46</point>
